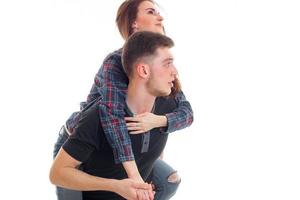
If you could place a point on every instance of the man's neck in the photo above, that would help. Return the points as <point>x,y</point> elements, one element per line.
<point>139,100</point>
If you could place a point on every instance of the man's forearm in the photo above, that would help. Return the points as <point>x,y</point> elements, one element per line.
<point>75,179</point>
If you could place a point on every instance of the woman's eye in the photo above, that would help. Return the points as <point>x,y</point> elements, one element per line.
<point>151,12</point>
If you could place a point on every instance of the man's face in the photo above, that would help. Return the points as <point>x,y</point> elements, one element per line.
<point>162,73</point>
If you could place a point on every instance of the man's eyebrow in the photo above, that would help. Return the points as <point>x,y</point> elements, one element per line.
<point>168,59</point>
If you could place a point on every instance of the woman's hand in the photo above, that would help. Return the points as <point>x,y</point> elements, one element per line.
<point>145,122</point>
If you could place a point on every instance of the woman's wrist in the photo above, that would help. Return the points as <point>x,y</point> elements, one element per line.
<point>162,121</point>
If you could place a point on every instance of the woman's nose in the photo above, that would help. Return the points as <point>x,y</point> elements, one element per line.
<point>159,17</point>
<point>174,71</point>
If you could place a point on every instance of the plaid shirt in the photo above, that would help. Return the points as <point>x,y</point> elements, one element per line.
<point>110,85</point>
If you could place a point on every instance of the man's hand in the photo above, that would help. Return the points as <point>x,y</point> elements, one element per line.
<point>143,194</point>
<point>145,122</point>
<point>134,190</point>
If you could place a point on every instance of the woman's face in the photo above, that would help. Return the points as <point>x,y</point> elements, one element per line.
<point>148,18</point>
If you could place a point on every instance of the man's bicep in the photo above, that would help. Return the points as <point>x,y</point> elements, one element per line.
<point>63,159</point>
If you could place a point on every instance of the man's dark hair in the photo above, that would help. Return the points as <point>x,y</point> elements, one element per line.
<point>141,45</point>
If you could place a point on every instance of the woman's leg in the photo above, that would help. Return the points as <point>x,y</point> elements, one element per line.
<point>62,193</point>
<point>165,180</point>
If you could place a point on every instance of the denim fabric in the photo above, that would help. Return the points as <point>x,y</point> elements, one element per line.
<point>164,190</point>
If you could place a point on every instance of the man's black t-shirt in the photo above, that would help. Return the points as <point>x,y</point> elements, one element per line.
<point>90,146</point>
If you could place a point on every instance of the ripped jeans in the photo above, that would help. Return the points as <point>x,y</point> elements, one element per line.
<point>164,188</point>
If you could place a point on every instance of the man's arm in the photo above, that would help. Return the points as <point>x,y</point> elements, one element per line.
<point>64,173</point>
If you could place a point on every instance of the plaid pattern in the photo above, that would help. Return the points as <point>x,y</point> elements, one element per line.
<point>181,117</point>
<point>110,85</point>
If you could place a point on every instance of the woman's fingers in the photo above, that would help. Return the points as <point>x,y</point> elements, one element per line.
<point>136,132</point>
<point>132,119</point>
<point>133,126</point>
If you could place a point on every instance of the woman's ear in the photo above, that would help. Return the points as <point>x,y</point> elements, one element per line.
<point>134,26</point>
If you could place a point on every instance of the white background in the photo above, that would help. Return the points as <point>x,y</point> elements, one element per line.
<point>239,65</point>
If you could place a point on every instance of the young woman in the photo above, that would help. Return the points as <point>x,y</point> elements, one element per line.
<point>110,85</point>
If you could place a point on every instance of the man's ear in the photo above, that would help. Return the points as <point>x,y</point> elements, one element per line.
<point>143,70</point>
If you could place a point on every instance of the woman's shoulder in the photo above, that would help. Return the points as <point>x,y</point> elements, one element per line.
<point>114,56</point>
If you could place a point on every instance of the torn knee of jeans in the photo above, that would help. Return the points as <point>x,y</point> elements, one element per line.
<point>174,178</point>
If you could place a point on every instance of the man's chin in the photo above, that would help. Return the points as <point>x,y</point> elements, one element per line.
<point>165,94</point>
<point>162,92</point>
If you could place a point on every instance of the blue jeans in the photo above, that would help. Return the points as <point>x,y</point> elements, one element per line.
<point>164,189</point>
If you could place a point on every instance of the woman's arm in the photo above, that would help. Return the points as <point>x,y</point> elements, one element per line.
<point>180,117</point>
<point>111,84</point>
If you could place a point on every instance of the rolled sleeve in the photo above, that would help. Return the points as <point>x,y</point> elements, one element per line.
<point>181,117</point>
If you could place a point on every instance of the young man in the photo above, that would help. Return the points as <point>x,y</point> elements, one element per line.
<point>148,62</point>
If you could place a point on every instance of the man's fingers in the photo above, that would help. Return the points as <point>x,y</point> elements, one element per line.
<point>139,185</point>
<point>151,194</point>
<point>142,194</point>
<point>139,195</point>
<point>146,195</point>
